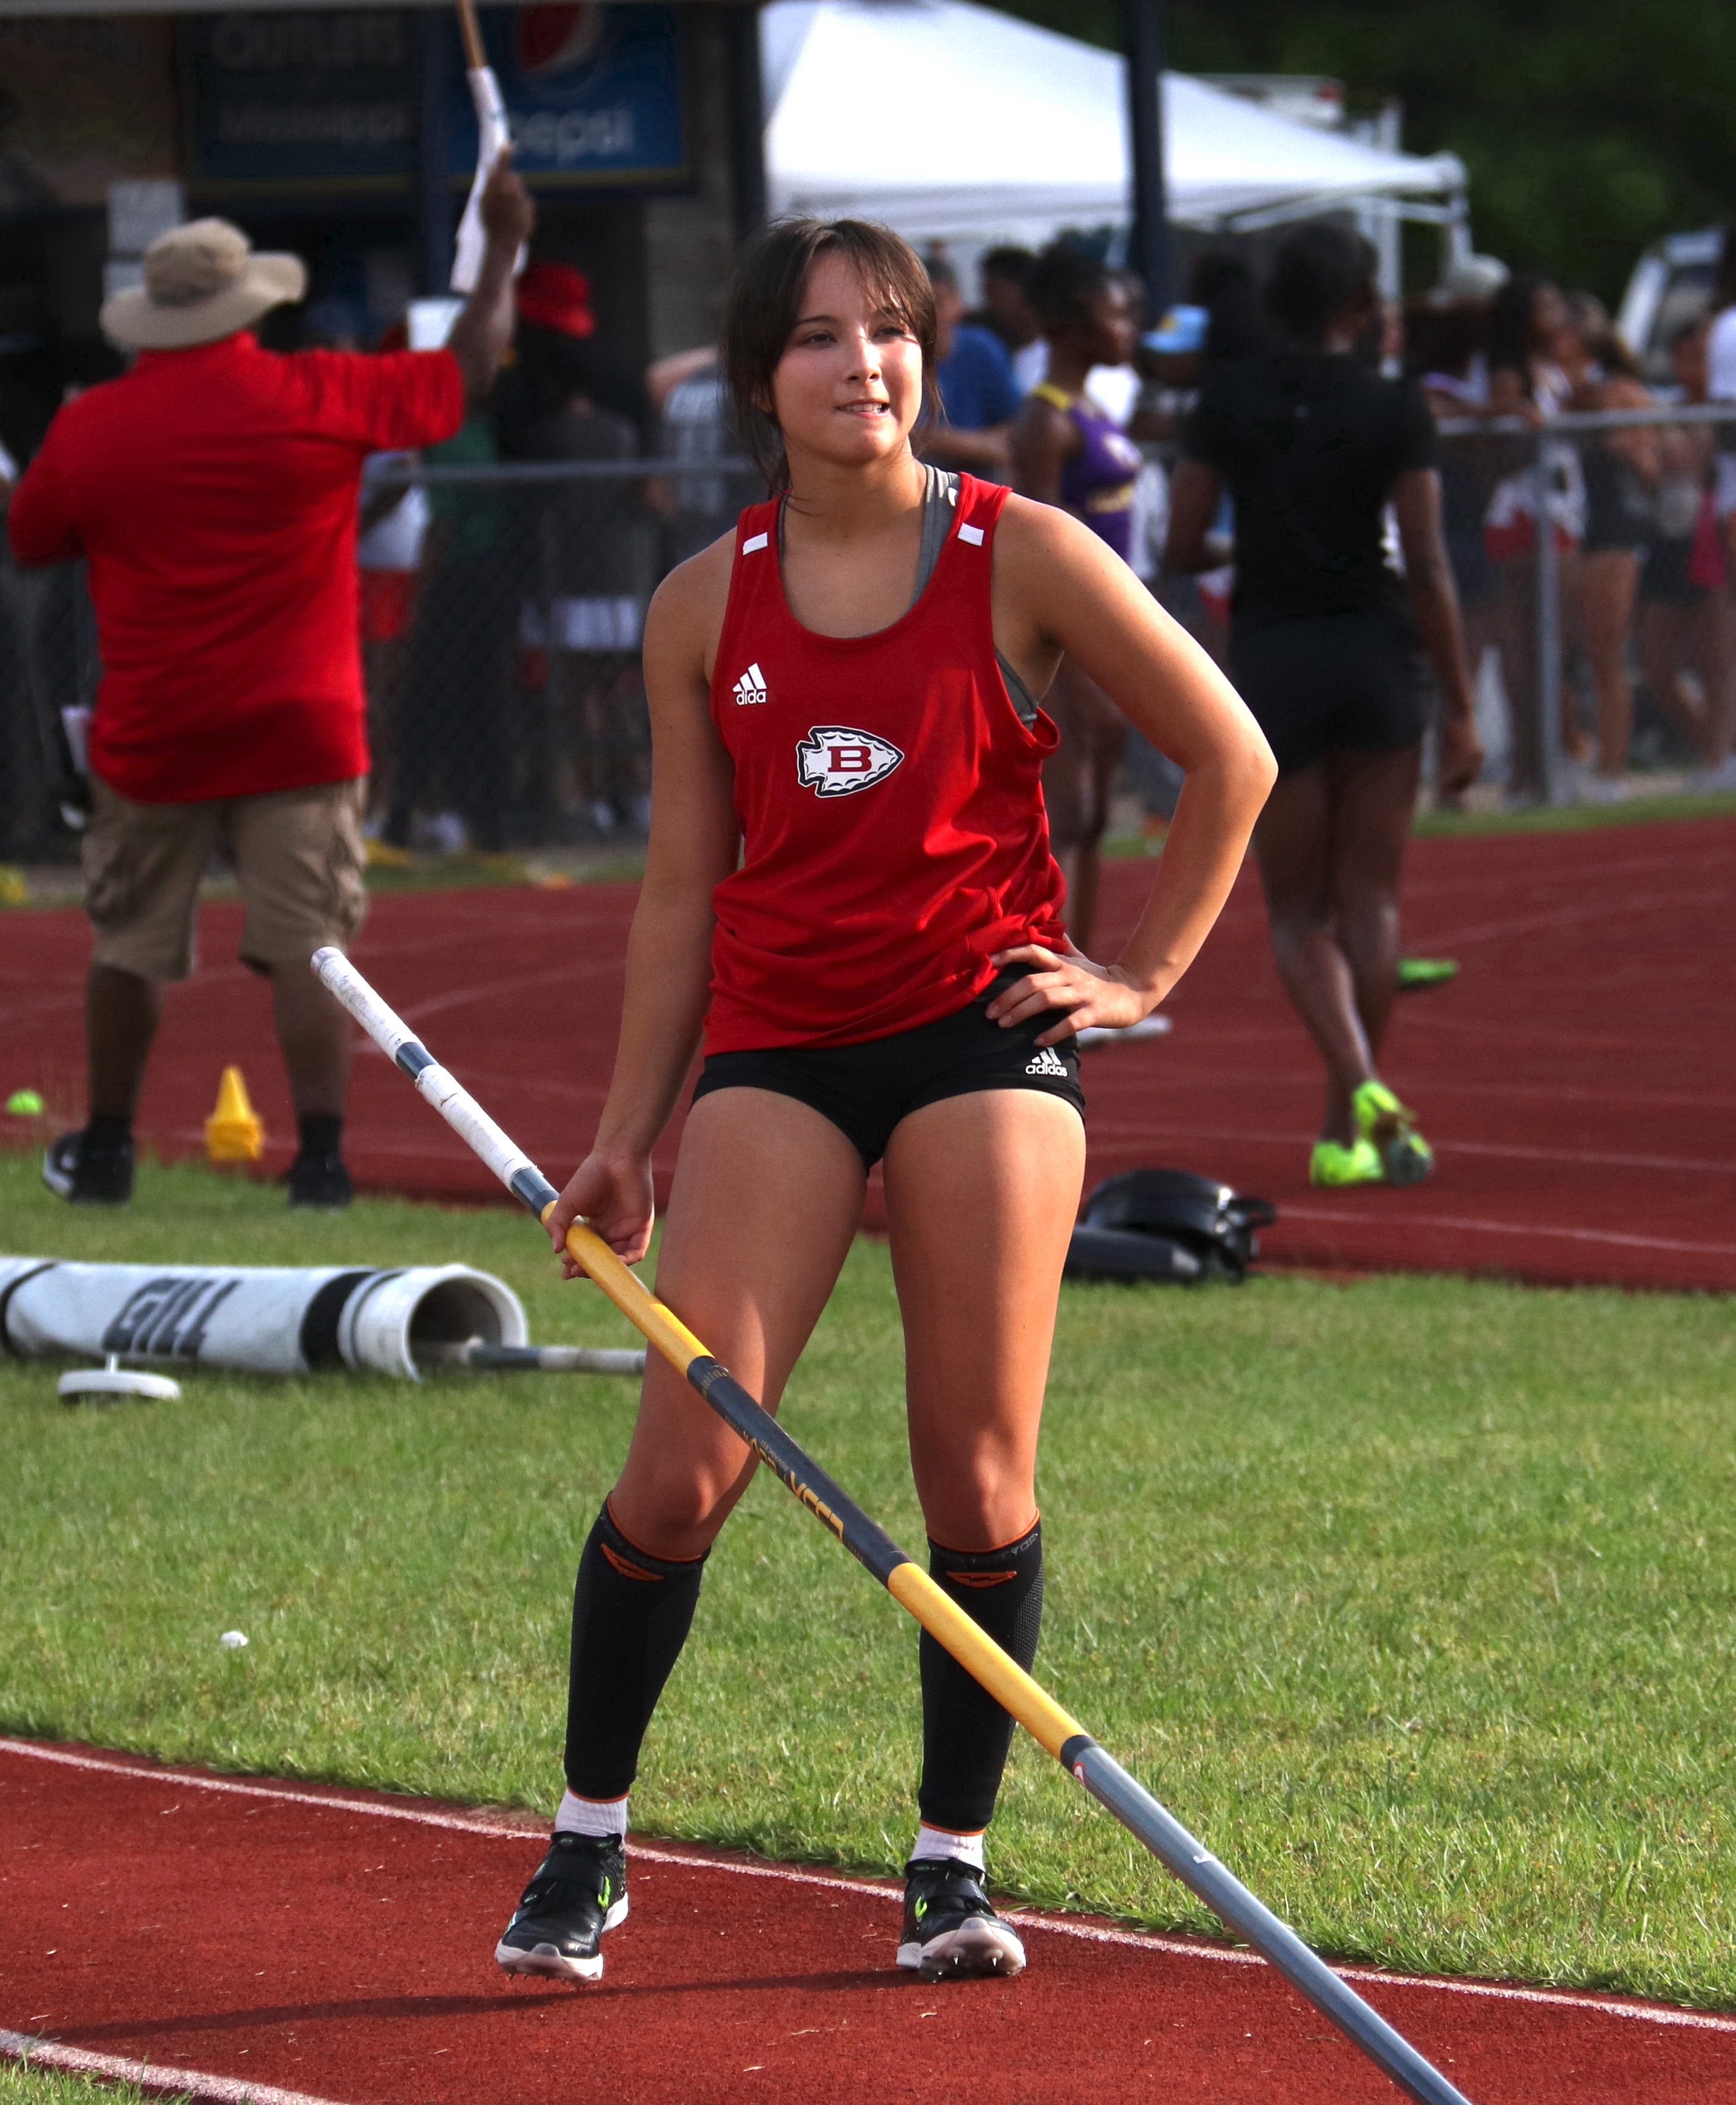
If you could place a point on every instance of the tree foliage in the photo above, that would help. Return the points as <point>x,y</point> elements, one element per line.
<point>1589,128</point>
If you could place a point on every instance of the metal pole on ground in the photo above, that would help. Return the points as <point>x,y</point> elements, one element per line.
<point>1024,1699</point>
<point>1145,39</point>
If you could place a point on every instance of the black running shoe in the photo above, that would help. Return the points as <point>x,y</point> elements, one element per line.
<point>951,1932</point>
<point>580,1891</point>
<point>319,1181</point>
<point>86,1176</point>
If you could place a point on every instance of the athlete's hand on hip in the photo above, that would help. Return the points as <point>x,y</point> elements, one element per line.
<point>1461,759</point>
<point>614,1194</point>
<point>1091,994</point>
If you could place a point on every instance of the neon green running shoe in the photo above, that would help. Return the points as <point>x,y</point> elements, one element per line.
<point>1417,975</point>
<point>1383,1121</point>
<point>1333,1164</point>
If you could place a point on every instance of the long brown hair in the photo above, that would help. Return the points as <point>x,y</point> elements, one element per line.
<point>764,303</point>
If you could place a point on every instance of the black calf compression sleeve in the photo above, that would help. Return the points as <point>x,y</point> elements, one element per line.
<point>631,1614</point>
<point>965,1733</point>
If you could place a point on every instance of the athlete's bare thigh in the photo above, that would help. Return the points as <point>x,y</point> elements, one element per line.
<point>767,1197</point>
<point>981,1192</point>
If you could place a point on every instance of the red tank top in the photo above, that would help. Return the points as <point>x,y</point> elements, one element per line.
<point>890,802</point>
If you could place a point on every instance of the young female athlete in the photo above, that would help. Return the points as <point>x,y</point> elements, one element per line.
<point>1067,452</point>
<point>848,858</point>
<point>1314,446</point>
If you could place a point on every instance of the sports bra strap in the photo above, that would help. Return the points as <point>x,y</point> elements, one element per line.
<point>940,500</point>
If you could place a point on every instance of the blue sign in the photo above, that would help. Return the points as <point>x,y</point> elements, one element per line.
<point>593,93</point>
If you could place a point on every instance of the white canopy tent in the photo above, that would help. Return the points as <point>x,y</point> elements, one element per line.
<point>949,122</point>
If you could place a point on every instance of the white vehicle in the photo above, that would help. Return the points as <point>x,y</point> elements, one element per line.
<point>1671,286</point>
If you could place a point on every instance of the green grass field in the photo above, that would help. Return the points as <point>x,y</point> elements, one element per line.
<point>1413,1596</point>
<point>35,2087</point>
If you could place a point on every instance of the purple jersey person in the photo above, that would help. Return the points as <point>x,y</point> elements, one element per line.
<point>1097,482</point>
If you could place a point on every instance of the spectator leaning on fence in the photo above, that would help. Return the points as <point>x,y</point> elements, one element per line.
<point>1619,471</point>
<point>1685,617</point>
<point>1527,319</point>
<point>212,492</point>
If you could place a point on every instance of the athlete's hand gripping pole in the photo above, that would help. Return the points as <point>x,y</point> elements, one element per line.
<point>1005,1680</point>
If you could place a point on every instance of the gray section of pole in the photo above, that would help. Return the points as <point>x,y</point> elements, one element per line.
<point>478,1355</point>
<point>1229,1900</point>
<point>1145,40</point>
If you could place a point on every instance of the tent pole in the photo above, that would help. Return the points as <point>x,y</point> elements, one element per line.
<point>1145,38</point>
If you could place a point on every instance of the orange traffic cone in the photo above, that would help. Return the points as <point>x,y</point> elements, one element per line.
<point>233,1132</point>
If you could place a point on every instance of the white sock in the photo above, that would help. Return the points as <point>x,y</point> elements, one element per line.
<point>590,1816</point>
<point>933,1843</point>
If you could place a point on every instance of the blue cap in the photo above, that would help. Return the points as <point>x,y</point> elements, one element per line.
<point>1180,333</point>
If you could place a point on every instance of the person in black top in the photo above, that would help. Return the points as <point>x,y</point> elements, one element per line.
<point>1314,445</point>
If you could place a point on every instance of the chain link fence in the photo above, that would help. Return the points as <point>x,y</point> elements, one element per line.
<point>505,697</point>
<point>502,645</point>
<point>1593,558</point>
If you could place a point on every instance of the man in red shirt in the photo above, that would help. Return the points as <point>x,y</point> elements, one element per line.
<point>212,493</point>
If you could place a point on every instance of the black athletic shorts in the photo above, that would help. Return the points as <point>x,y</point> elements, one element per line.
<point>1322,683</point>
<point>865,1090</point>
<point>1665,581</point>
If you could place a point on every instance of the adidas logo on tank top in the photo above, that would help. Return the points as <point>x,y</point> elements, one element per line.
<point>1047,1062</point>
<point>751,687</point>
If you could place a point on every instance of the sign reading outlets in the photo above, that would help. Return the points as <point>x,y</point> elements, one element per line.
<point>290,100</point>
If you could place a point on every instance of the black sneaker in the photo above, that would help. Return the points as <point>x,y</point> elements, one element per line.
<point>580,1891</point>
<point>951,1932</point>
<point>86,1176</point>
<point>321,1181</point>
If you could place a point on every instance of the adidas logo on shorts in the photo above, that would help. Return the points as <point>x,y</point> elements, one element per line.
<point>1047,1062</point>
<point>751,687</point>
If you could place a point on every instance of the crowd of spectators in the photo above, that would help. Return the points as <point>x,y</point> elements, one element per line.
<point>500,622</point>
<point>1640,518</point>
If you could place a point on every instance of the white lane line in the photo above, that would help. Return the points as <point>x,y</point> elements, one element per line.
<point>1501,1149</point>
<point>1562,917</point>
<point>228,1787</point>
<point>147,2075</point>
<point>1633,1099</point>
<point>520,983</point>
<point>1533,1232</point>
<point>1656,2013</point>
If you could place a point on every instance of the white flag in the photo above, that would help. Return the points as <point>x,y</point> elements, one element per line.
<point>493,136</point>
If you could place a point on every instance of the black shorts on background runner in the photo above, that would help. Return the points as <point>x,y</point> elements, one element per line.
<point>865,1090</point>
<point>1324,683</point>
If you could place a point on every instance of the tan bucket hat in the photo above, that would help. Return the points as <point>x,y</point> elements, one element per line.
<point>202,281</point>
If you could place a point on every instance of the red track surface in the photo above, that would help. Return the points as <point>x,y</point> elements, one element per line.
<point>294,1938</point>
<point>1577,1080</point>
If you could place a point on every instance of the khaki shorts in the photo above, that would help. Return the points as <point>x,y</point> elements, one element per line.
<point>298,856</point>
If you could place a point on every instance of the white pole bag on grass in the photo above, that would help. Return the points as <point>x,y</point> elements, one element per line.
<point>257,1321</point>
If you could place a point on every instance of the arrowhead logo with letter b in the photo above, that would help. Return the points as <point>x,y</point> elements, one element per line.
<point>834,761</point>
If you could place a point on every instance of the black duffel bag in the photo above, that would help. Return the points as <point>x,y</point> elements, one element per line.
<point>1167,1224</point>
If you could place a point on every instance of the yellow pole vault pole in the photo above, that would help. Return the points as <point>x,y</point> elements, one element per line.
<point>1052,1727</point>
